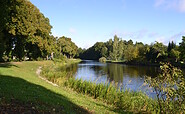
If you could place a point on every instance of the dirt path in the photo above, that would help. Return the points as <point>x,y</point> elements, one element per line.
<point>38,73</point>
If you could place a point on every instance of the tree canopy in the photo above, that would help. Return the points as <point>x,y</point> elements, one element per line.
<point>126,51</point>
<point>26,32</point>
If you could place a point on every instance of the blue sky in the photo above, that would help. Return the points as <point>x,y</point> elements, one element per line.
<point>90,21</point>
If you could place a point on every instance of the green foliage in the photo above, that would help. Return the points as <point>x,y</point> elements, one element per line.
<point>22,90</point>
<point>121,50</point>
<point>103,59</point>
<point>169,87</point>
<point>131,53</point>
<point>24,31</point>
<point>138,53</point>
<point>114,55</point>
<point>59,71</point>
<point>126,100</point>
<point>174,54</point>
<point>67,47</point>
<point>182,48</point>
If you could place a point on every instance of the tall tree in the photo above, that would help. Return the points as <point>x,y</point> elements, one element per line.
<point>114,55</point>
<point>131,52</point>
<point>121,49</point>
<point>23,25</point>
<point>67,47</point>
<point>182,48</point>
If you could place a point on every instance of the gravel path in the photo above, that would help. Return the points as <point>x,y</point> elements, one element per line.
<point>38,73</point>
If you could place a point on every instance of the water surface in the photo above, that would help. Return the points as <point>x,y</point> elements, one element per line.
<point>126,76</point>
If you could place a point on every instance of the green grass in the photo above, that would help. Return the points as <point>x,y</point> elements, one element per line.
<point>21,90</point>
<point>136,102</point>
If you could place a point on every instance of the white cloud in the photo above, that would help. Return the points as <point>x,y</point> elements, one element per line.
<point>175,37</point>
<point>137,35</point>
<point>159,2</point>
<point>153,35</point>
<point>146,36</point>
<point>178,5</point>
<point>162,39</point>
<point>182,5</point>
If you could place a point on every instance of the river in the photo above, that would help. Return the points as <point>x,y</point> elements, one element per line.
<point>126,76</point>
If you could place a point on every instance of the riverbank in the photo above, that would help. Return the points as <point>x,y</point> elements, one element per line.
<point>178,65</point>
<point>134,63</point>
<point>22,91</point>
<point>109,93</point>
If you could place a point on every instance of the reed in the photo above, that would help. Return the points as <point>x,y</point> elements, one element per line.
<point>127,100</point>
<point>110,93</point>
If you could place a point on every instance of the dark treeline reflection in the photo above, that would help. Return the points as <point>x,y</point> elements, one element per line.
<point>116,72</point>
<point>70,70</point>
<point>128,76</point>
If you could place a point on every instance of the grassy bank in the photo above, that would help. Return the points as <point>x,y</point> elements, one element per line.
<point>22,91</point>
<point>134,63</point>
<point>136,102</point>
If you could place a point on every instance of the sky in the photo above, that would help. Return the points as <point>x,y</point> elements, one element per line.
<point>89,21</point>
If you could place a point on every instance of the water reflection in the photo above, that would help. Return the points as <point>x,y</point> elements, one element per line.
<point>70,70</point>
<point>113,72</point>
<point>131,77</point>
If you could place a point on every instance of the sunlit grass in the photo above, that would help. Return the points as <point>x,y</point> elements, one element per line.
<point>19,82</point>
<point>132,101</point>
<point>107,92</point>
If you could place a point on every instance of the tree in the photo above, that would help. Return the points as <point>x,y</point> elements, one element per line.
<point>114,55</point>
<point>104,51</point>
<point>182,49</point>
<point>131,52</point>
<point>169,88</point>
<point>130,42</point>
<point>171,46</point>
<point>24,27</point>
<point>142,50</point>
<point>157,52</point>
<point>67,47</point>
<point>79,52</point>
<point>109,47</point>
<point>121,49</point>
<point>175,54</point>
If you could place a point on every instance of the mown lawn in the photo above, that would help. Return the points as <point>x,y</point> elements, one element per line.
<point>22,91</point>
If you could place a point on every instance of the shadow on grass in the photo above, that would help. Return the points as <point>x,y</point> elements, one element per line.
<point>7,65</point>
<point>20,96</point>
<point>119,111</point>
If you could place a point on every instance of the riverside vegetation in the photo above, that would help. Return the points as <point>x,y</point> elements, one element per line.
<point>22,91</point>
<point>25,34</point>
<point>170,91</point>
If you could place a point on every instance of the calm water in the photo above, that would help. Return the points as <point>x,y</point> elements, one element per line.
<point>127,76</point>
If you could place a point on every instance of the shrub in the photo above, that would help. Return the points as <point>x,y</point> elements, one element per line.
<point>39,59</point>
<point>5,58</point>
<point>102,59</point>
<point>169,87</point>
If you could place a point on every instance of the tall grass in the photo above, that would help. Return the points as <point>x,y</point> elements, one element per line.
<point>54,73</point>
<point>136,102</point>
<point>110,93</point>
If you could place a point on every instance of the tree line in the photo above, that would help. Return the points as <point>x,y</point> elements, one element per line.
<point>117,49</point>
<point>25,33</point>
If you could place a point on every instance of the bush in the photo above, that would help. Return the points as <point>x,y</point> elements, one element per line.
<point>102,59</point>
<point>5,58</point>
<point>39,59</point>
<point>169,87</point>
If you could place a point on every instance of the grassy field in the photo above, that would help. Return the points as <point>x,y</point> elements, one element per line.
<point>22,91</point>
